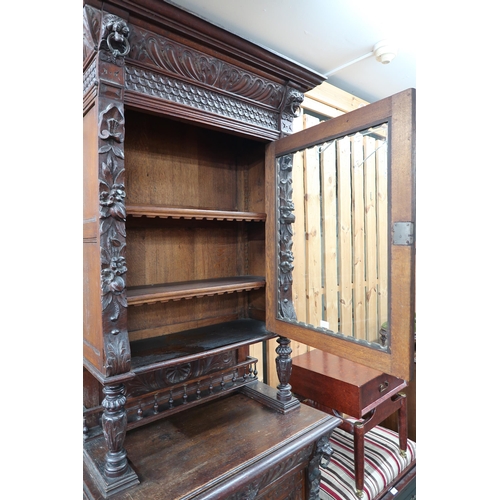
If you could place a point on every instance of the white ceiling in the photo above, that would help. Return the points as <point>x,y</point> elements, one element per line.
<point>326,34</point>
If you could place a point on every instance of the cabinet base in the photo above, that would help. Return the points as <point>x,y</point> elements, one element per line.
<point>267,396</point>
<point>230,448</point>
<point>93,460</point>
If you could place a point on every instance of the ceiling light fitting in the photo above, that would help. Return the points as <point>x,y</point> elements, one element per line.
<point>384,51</point>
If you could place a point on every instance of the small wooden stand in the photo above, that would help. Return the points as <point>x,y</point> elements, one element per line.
<point>331,383</point>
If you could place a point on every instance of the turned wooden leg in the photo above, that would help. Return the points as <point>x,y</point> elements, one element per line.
<point>403,425</point>
<point>359,457</point>
<point>284,369</point>
<point>114,426</point>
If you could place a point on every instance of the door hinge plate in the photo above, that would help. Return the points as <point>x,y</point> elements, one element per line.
<point>402,233</point>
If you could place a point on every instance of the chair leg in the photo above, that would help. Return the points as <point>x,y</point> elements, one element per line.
<point>359,457</point>
<point>403,426</point>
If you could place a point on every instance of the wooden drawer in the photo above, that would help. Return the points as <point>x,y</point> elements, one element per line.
<point>341,384</point>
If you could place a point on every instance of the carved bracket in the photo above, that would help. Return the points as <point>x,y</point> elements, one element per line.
<point>322,455</point>
<point>290,109</point>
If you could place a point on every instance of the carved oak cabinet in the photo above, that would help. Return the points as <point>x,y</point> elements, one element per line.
<point>176,117</point>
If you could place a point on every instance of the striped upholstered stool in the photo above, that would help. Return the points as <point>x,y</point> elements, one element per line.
<point>387,472</point>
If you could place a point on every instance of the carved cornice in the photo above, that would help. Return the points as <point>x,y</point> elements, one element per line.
<point>179,60</point>
<point>159,67</point>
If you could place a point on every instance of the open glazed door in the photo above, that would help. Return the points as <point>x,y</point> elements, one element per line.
<point>340,235</point>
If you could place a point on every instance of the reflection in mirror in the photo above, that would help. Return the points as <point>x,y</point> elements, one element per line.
<point>333,232</point>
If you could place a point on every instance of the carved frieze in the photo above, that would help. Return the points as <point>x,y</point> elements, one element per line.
<point>160,379</point>
<point>165,87</point>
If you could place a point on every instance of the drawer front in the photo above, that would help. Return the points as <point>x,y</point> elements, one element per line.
<point>378,390</point>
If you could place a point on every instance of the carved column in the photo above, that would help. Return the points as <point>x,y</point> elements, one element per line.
<point>284,369</point>
<point>114,425</point>
<point>106,45</point>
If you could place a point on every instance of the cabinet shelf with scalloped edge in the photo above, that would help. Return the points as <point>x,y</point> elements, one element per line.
<point>150,294</point>
<point>162,212</point>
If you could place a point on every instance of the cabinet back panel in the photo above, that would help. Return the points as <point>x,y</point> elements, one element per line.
<point>167,251</point>
<point>256,249</point>
<point>179,165</point>
<point>154,320</point>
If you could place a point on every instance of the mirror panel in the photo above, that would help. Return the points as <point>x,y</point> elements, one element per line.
<point>333,258</point>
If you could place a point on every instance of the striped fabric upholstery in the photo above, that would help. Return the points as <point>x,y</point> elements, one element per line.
<point>383,464</point>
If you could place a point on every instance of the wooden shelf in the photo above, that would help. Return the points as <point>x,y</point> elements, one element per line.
<point>153,211</point>
<point>139,295</point>
<point>159,352</point>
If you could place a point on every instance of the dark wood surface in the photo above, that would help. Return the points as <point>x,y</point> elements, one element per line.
<point>217,449</point>
<point>196,343</point>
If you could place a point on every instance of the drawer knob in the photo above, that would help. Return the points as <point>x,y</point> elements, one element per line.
<point>383,387</point>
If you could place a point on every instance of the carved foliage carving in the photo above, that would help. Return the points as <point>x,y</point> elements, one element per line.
<point>112,47</point>
<point>112,214</point>
<point>91,30</point>
<point>112,209</point>
<point>285,220</point>
<point>178,59</point>
<point>114,424</point>
<point>322,454</point>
